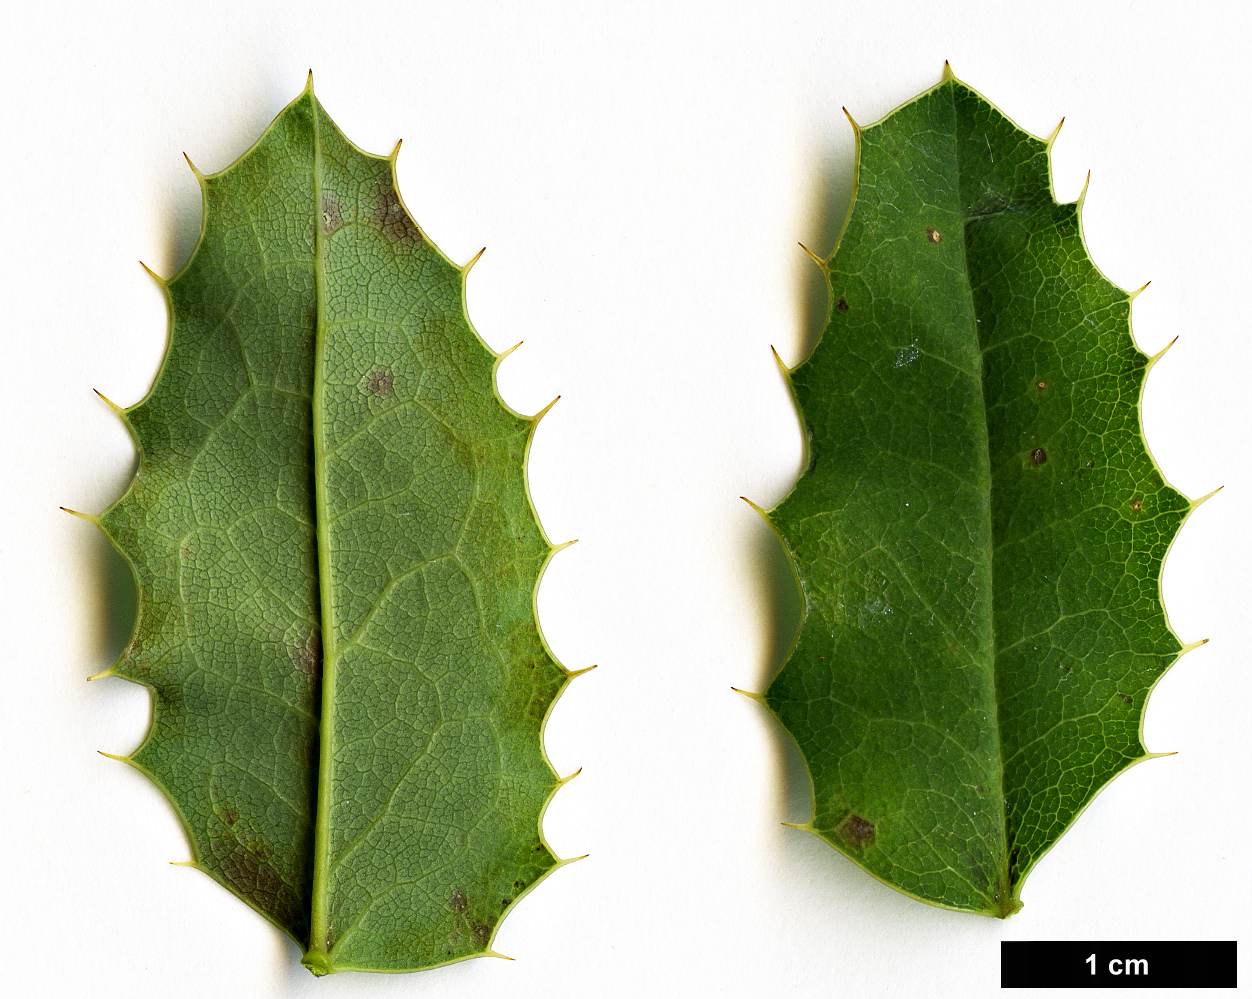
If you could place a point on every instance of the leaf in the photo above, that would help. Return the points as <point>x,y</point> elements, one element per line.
<point>980,531</point>
<point>337,557</point>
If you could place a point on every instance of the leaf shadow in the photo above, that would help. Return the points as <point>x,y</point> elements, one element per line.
<point>114,599</point>
<point>830,197</point>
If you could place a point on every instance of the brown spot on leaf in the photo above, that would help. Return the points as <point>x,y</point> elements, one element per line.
<point>379,381</point>
<point>933,235</point>
<point>1038,456</point>
<point>389,215</point>
<point>856,832</point>
<point>1041,385</point>
<point>332,216</point>
<point>458,902</point>
<point>842,306</point>
<point>306,654</point>
<point>1126,699</point>
<point>229,816</point>
<point>1136,505</point>
<point>481,933</point>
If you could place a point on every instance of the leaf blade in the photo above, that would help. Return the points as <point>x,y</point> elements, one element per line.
<point>922,762</point>
<point>324,431</point>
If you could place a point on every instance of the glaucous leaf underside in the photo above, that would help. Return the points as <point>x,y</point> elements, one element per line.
<point>336,557</point>
<point>980,532</point>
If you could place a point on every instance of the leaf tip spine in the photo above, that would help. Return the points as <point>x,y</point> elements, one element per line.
<point>395,155</point>
<point>308,83</point>
<point>121,759</point>
<point>1192,647</point>
<point>1204,499</point>
<point>155,276</point>
<point>855,127</point>
<point>763,514</point>
<point>104,674</point>
<point>759,698</point>
<point>466,269</point>
<point>90,518</point>
<point>562,547</point>
<point>1160,353</point>
<point>565,780</point>
<point>814,257</point>
<point>496,953</point>
<point>503,354</point>
<point>1139,291</point>
<point>782,366</point>
<point>947,72</point>
<point>186,863</point>
<point>802,826</point>
<point>566,861</point>
<point>1082,196</point>
<point>111,404</point>
<point>1055,132</point>
<point>571,674</point>
<point>544,412</point>
<point>194,170</point>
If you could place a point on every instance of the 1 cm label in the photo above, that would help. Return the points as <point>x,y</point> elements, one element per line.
<point>1122,965</point>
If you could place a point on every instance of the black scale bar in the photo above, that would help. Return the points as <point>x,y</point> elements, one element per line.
<point>1062,964</point>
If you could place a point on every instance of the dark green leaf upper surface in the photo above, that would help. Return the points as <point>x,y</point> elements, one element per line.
<point>337,556</point>
<point>980,533</point>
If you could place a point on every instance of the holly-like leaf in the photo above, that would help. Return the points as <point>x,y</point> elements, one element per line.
<point>980,532</point>
<point>337,557</point>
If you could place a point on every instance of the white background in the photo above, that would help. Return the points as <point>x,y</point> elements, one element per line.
<point>640,174</point>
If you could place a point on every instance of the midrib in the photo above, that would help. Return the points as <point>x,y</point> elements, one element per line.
<point>1005,900</point>
<point>319,943</point>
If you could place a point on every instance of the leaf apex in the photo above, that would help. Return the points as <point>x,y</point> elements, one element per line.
<point>947,72</point>
<point>308,83</point>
